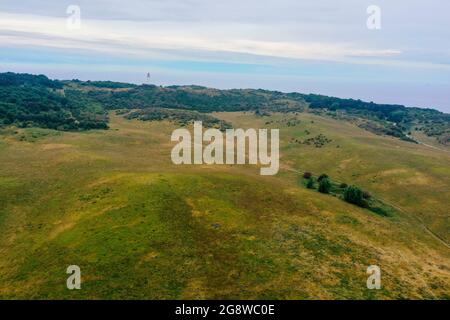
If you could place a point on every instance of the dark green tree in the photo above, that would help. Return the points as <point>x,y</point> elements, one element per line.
<point>354,195</point>
<point>310,183</point>
<point>324,185</point>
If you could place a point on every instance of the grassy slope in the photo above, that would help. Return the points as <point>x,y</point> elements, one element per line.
<point>139,227</point>
<point>415,178</point>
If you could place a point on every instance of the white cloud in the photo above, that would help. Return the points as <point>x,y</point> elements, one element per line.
<point>140,38</point>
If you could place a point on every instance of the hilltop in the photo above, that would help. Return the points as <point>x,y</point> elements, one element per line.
<point>28,100</point>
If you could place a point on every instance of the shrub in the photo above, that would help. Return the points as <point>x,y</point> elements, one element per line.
<point>380,211</point>
<point>310,183</point>
<point>307,175</point>
<point>366,195</point>
<point>343,185</point>
<point>354,195</point>
<point>322,176</point>
<point>324,185</point>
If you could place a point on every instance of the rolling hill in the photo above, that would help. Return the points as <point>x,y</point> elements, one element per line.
<point>139,227</point>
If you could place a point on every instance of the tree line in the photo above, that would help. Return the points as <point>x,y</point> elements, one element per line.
<point>35,100</point>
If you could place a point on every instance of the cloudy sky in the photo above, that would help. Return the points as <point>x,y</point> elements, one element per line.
<point>321,46</point>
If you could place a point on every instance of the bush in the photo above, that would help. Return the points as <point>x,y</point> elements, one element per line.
<point>310,183</point>
<point>354,195</point>
<point>343,185</point>
<point>307,175</point>
<point>380,211</point>
<point>366,195</point>
<point>324,185</point>
<point>322,176</point>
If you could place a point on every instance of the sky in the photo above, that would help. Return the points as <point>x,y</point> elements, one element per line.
<point>396,52</point>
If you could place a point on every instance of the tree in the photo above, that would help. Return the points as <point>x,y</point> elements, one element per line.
<point>343,185</point>
<point>307,175</point>
<point>310,183</point>
<point>322,176</point>
<point>354,195</point>
<point>324,185</point>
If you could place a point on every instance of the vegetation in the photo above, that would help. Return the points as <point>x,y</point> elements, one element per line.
<point>310,183</point>
<point>350,194</point>
<point>101,84</point>
<point>324,185</point>
<point>389,129</point>
<point>384,119</point>
<point>318,141</point>
<point>181,117</point>
<point>10,79</point>
<point>354,195</point>
<point>142,228</point>
<point>28,100</point>
<point>307,175</point>
<point>192,98</point>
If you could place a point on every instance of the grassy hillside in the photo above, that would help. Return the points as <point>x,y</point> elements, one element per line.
<point>111,202</point>
<point>414,177</point>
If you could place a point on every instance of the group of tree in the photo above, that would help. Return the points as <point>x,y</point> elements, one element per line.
<point>351,194</point>
<point>386,119</point>
<point>35,100</point>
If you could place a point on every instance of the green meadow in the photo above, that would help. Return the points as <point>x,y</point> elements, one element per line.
<point>139,227</point>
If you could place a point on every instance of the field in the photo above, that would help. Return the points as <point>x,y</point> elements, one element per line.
<point>140,227</point>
